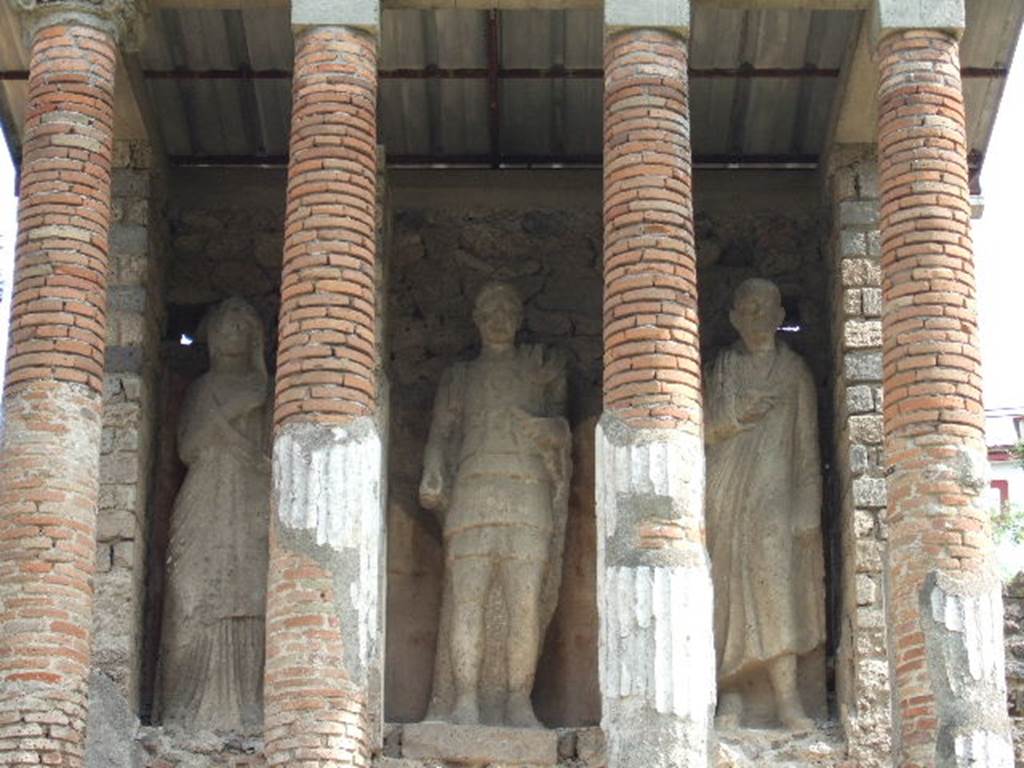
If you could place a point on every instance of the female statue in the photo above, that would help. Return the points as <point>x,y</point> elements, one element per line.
<point>211,658</point>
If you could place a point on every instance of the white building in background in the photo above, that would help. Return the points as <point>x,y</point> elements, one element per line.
<point>1004,429</point>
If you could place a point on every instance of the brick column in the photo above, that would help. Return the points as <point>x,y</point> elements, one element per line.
<point>945,605</point>
<point>657,659</point>
<point>49,455</point>
<point>323,629</point>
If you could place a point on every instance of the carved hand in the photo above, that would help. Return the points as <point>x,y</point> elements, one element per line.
<point>754,407</point>
<point>432,491</point>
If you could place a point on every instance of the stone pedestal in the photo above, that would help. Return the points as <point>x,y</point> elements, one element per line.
<point>480,744</point>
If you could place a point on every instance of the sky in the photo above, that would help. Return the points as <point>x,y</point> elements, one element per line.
<point>998,245</point>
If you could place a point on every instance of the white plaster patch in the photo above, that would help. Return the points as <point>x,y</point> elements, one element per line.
<point>979,618</point>
<point>328,480</point>
<point>655,645</point>
<point>656,650</point>
<point>983,748</point>
<point>654,464</point>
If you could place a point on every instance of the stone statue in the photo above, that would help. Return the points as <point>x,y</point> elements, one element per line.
<point>497,469</point>
<point>211,660</point>
<point>763,510</point>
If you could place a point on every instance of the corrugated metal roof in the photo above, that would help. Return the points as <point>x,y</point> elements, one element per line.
<point>763,81</point>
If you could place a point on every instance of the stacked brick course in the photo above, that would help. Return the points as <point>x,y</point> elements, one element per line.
<point>652,349</point>
<point>327,354</point>
<point>53,397</point>
<point>862,668</point>
<point>316,712</point>
<point>934,419</point>
<point>652,565</point>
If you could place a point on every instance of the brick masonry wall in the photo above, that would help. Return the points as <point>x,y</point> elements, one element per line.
<point>862,665</point>
<point>135,313</point>
<point>934,421</point>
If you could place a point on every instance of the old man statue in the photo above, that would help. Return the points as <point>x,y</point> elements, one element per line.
<point>496,470</point>
<point>211,657</point>
<point>763,510</point>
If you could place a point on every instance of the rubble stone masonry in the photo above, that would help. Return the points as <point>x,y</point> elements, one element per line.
<point>862,667</point>
<point>134,319</point>
<point>53,397</point>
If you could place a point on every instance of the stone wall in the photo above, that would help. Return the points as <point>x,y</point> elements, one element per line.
<point>1013,603</point>
<point>453,231</point>
<point>862,666</point>
<point>134,320</point>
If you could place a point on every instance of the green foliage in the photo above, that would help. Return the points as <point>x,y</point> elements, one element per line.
<point>1018,453</point>
<point>1008,524</point>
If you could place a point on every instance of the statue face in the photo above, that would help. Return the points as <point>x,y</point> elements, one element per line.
<point>231,334</point>
<point>498,320</point>
<point>756,315</point>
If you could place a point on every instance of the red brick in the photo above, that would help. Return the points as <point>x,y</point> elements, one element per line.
<point>650,263</point>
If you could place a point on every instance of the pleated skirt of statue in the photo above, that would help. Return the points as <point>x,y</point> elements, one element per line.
<point>217,681</point>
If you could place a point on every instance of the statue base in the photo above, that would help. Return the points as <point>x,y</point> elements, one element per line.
<point>480,744</point>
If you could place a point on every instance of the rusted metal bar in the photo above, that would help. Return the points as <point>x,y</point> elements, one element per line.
<point>519,73</point>
<point>793,161</point>
<point>494,86</point>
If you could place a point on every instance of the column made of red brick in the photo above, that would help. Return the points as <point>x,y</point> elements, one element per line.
<point>654,585</point>
<point>933,413</point>
<point>314,708</point>
<point>652,372</point>
<point>49,457</point>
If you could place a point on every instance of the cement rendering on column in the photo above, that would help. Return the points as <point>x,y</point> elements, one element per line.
<point>895,15</point>
<point>327,482</point>
<point>657,657</point>
<point>673,15</point>
<point>962,619</point>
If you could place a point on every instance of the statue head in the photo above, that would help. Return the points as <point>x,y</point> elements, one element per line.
<point>498,313</point>
<point>234,332</point>
<point>757,313</point>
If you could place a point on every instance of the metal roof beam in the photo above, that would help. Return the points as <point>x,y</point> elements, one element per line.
<point>508,5</point>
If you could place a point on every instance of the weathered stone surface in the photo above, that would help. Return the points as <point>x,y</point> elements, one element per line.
<point>213,643</point>
<point>165,747</point>
<point>963,640</point>
<point>764,517</point>
<point>673,15</point>
<point>1013,623</point>
<point>470,228</point>
<point>111,729</point>
<point>751,748</point>
<point>363,14</point>
<point>654,601</point>
<point>898,15</point>
<point>497,469</point>
<point>862,666</point>
<point>480,744</point>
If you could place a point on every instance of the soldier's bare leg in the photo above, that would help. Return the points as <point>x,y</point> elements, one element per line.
<point>471,578</point>
<point>782,672</point>
<point>522,581</point>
